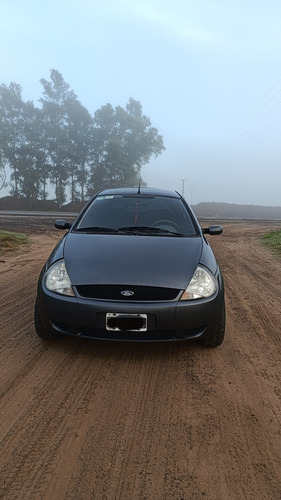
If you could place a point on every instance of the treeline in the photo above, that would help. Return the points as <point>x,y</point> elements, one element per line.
<point>61,144</point>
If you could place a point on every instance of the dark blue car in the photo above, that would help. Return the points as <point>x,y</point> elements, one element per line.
<point>134,266</point>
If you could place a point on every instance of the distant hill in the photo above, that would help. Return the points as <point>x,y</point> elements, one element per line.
<point>209,209</point>
<point>233,211</point>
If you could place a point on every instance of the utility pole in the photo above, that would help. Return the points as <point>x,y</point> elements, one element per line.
<point>182,189</point>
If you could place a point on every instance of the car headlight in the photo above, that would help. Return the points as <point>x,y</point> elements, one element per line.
<point>202,285</point>
<point>57,279</point>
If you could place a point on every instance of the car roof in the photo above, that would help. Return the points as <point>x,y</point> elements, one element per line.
<point>148,191</point>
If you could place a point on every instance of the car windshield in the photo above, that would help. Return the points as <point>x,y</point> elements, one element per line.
<point>153,215</point>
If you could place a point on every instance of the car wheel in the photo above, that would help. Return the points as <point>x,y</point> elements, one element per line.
<point>217,337</point>
<point>39,328</point>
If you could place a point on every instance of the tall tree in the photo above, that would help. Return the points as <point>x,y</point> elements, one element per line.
<point>12,129</point>
<point>80,124</point>
<point>55,103</point>
<point>32,175</point>
<point>124,142</point>
<point>21,147</point>
<point>42,158</point>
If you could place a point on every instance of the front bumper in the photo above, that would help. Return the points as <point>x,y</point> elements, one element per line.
<point>166,321</point>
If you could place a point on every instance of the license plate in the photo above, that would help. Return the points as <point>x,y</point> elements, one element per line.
<point>126,322</point>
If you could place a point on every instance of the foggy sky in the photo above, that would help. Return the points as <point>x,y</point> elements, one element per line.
<point>207,73</point>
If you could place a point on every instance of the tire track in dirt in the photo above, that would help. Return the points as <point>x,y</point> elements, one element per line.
<point>40,414</point>
<point>94,420</point>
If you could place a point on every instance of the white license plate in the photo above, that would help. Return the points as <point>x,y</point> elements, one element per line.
<point>119,322</point>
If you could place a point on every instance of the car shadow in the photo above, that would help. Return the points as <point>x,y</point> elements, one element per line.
<point>98,349</point>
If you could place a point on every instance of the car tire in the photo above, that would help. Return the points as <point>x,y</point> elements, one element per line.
<point>217,337</point>
<point>39,327</point>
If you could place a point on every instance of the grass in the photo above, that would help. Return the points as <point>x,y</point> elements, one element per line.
<point>273,241</point>
<point>9,242</point>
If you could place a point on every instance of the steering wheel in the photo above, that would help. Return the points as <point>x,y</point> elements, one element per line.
<point>165,222</point>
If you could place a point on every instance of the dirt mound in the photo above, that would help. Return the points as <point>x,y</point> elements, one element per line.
<point>74,206</point>
<point>14,203</point>
<point>233,211</point>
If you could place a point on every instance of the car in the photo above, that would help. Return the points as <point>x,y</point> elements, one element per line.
<point>135,265</point>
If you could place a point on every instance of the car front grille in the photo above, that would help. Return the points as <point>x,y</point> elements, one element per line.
<point>128,293</point>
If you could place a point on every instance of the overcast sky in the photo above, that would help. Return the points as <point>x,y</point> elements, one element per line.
<point>207,73</point>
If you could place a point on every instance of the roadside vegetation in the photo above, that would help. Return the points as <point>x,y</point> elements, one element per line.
<point>273,241</point>
<point>9,242</point>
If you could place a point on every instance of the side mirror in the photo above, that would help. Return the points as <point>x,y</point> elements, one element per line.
<point>62,224</point>
<point>212,230</point>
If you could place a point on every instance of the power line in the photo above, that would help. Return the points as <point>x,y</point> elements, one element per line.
<point>257,121</point>
<point>247,118</point>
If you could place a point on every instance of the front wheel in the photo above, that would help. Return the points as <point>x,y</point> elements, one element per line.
<point>217,336</point>
<point>39,327</point>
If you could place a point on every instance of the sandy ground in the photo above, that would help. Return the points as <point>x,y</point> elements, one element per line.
<point>84,420</point>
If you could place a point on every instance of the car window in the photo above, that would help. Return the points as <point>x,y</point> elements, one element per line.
<point>119,211</point>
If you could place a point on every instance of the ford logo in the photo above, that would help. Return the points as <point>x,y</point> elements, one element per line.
<point>127,293</point>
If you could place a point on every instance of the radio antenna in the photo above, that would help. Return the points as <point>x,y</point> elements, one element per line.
<point>139,187</point>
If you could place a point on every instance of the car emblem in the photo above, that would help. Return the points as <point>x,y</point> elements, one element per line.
<point>127,293</point>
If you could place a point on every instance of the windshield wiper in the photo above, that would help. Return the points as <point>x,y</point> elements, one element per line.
<point>129,230</point>
<point>97,229</point>
<point>148,230</point>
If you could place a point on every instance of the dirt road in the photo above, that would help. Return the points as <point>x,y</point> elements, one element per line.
<point>84,420</point>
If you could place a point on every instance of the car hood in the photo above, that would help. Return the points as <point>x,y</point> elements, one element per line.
<point>127,260</point>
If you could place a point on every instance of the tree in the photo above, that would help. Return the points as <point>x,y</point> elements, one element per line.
<point>124,141</point>
<point>55,103</point>
<point>80,124</point>
<point>20,146</point>
<point>42,158</point>
<point>32,175</point>
<point>62,144</point>
<point>12,129</point>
